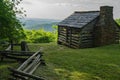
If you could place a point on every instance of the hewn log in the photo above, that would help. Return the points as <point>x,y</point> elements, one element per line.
<point>77,45</point>
<point>18,76</point>
<point>11,51</point>
<point>16,58</point>
<point>76,41</point>
<point>74,38</point>
<point>9,48</point>
<point>74,46</point>
<point>25,74</point>
<point>34,68</point>
<point>34,62</point>
<point>62,40</point>
<point>28,60</point>
<point>60,36</point>
<point>86,41</point>
<point>86,38</point>
<point>17,54</point>
<point>63,34</point>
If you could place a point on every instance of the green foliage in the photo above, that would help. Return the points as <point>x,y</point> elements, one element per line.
<point>40,36</point>
<point>10,26</point>
<point>118,21</point>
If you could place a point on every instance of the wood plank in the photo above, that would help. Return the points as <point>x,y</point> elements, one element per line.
<point>87,38</point>
<point>16,58</point>
<point>75,36</point>
<point>26,74</point>
<point>61,39</point>
<point>63,42</point>
<point>28,60</point>
<point>75,41</point>
<point>19,76</point>
<point>63,32</point>
<point>34,68</point>
<point>74,44</point>
<point>9,48</point>
<point>17,54</point>
<point>60,36</point>
<point>12,51</point>
<point>35,61</point>
<point>86,41</point>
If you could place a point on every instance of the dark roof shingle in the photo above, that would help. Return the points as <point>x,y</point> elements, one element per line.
<point>79,19</point>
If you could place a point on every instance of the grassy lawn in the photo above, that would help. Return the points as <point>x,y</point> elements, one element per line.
<point>101,63</point>
<point>4,73</point>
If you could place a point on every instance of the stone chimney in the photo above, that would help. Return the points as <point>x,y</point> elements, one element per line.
<point>106,14</point>
<point>105,28</point>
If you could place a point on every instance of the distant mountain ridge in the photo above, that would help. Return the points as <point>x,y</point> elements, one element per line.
<point>36,23</point>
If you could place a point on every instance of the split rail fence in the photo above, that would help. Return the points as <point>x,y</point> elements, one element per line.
<point>25,71</point>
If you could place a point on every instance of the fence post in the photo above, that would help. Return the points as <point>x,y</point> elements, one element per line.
<point>23,46</point>
<point>11,43</point>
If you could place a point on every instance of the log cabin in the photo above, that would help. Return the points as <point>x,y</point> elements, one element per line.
<point>87,29</point>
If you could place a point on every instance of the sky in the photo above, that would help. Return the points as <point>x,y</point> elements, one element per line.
<point>60,9</point>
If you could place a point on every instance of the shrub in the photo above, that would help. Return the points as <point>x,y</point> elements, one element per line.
<point>40,36</point>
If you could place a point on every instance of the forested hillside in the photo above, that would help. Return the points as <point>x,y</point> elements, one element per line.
<point>36,23</point>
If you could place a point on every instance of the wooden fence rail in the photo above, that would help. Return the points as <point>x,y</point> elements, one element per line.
<point>17,55</point>
<point>31,62</point>
<point>23,74</point>
<point>26,70</point>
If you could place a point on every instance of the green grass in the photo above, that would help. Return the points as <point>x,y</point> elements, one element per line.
<point>4,72</point>
<point>101,63</point>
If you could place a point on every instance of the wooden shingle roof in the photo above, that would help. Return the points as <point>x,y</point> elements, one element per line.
<point>79,19</point>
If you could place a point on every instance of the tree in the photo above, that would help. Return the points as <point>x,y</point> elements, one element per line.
<point>10,26</point>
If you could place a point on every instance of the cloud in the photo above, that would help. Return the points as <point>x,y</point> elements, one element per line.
<point>59,9</point>
<point>62,4</point>
<point>26,2</point>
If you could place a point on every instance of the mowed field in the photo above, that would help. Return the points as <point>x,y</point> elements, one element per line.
<point>63,63</point>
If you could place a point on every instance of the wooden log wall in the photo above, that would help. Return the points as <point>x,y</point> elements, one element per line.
<point>74,37</point>
<point>62,35</point>
<point>117,38</point>
<point>86,39</point>
<point>69,36</point>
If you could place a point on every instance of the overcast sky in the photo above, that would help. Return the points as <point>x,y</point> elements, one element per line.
<point>60,9</point>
